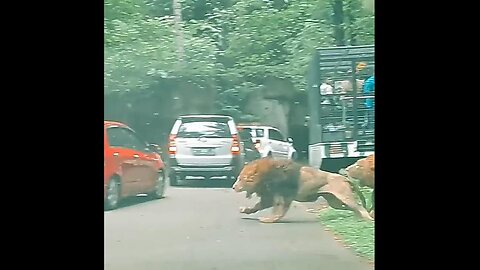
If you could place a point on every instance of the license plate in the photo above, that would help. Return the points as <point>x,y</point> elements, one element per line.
<point>203,152</point>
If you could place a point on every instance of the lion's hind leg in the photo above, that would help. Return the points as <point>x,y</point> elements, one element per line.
<point>373,201</point>
<point>346,203</point>
<point>372,209</point>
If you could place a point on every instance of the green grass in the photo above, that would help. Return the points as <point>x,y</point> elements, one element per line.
<point>353,231</point>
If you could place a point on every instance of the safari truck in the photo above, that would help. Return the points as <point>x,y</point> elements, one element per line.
<point>341,119</point>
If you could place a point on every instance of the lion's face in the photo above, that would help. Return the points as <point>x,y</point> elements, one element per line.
<point>356,170</point>
<point>247,179</point>
<point>362,170</point>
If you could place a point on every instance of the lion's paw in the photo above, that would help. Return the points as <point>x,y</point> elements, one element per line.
<point>268,219</point>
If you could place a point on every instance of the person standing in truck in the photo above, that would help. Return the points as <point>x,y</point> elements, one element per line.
<point>326,88</point>
<point>368,90</point>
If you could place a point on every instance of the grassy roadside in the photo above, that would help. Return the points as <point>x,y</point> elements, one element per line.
<point>358,234</point>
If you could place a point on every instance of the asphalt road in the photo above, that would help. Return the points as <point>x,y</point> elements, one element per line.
<point>201,228</point>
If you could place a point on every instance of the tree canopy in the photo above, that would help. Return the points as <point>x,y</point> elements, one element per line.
<point>236,42</point>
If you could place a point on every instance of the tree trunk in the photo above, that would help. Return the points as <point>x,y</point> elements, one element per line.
<point>369,5</point>
<point>177,19</point>
<point>338,19</point>
<point>351,12</point>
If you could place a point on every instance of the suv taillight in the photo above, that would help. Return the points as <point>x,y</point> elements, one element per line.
<point>235,149</point>
<point>172,148</point>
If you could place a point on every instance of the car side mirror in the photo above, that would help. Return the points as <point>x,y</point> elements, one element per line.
<point>290,140</point>
<point>155,148</point>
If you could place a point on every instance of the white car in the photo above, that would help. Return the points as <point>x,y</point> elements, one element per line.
<point>271,142</point>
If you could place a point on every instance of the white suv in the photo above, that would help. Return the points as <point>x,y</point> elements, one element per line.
<point>270,141</point>
<point>204,145</point>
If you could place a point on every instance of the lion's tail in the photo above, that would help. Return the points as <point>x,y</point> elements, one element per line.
<point>357,190</point>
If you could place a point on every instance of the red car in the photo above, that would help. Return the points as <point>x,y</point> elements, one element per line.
<point>131,166</point>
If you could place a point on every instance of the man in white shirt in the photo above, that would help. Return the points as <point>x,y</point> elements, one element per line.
<point>326,88</point>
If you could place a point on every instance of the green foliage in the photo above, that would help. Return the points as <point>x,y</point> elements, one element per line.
<point>140,49</point>
<point>233,41</point>
<point>356,233</point>
<point>232,100</point>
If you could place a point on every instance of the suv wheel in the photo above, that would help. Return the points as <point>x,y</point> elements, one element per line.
<point>173,179</point>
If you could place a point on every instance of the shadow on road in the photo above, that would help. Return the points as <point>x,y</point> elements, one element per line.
<point>136,200</point>
<point>282,221</point>
<point>182,184</point>
<point>205,184</point>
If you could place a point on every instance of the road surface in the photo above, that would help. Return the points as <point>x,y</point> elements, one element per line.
<point>201,229</point>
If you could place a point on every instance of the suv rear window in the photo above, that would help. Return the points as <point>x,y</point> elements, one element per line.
<point>206,129</point>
